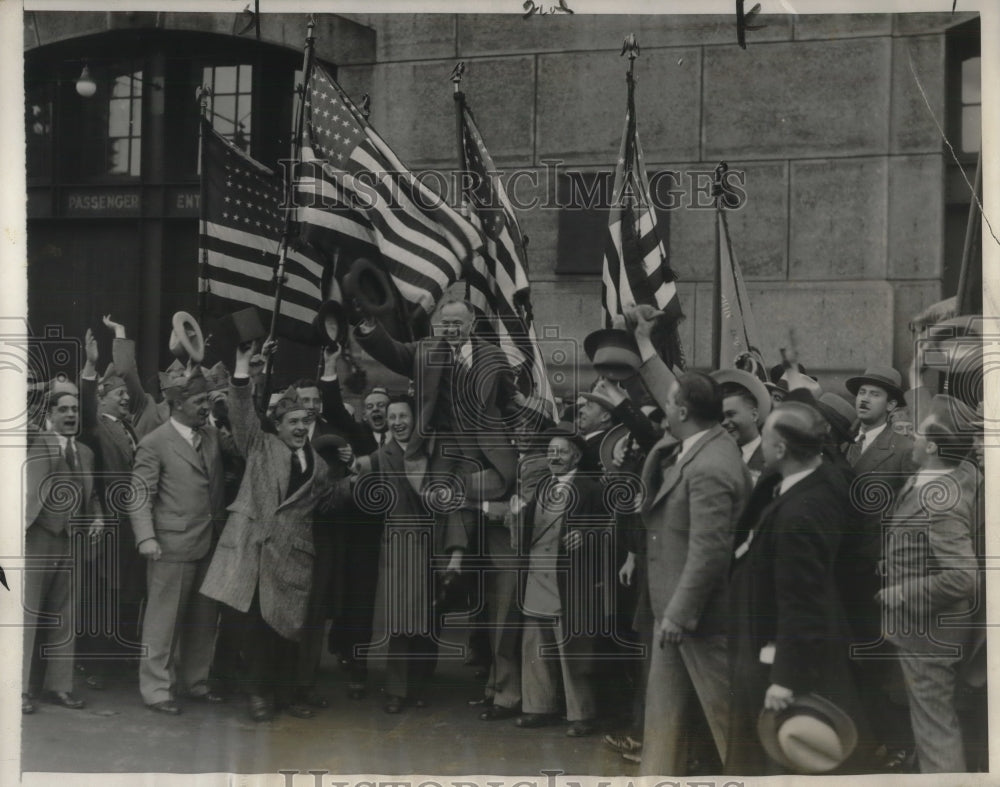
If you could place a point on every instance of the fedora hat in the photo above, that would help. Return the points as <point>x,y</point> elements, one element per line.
<point>883,376</point>
<point>613,353</point>
<point>604,402</point>
<point>750,383</point>
<point>609,442</point>
<point>327,446</point>
<point>569,431</point>
<point>186,341</point>
<point>838,412</point>
<point>331,323</point>
<point>812,735</point>
<point>367,284</point>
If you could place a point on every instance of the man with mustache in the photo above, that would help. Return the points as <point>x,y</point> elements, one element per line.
<point>178,478</point>
<point>877,446</point>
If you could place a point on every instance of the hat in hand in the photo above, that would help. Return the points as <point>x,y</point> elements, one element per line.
<point>613,353</point>
<point>812,735</point>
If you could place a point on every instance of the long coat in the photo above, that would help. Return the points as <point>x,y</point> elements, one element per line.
<point>267,543</point>
<point>784,592</point>
<point>181,498</point>
<point>423,362</point>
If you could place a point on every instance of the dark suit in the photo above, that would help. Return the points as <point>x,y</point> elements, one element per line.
<point>690,510</point>
<point>553,614</point>
<point>404,572</point>
<point>590,461</point>
<point>53,496</point>
<point>114,442</point>
<point>182,501</point>
<point>889,456</point>
<point>783,593</point>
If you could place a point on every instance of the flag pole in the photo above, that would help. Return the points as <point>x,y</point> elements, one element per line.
<point>204,92</point>
<point>456,79</point>
<point>964,299</point>
<point>286,233</point>
<point>717,192</point>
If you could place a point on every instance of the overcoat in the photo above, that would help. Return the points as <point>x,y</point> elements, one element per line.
<point>267,542</point>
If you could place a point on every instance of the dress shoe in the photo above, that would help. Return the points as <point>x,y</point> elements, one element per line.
<point>529,721</point>
<point>499,712</point>
<point>260,708</point>
<point>63,698</point>
<point>623,743</point>
<point>581,729</point>
<point>299,710</point>
<point>27,705</point>
<point>484,702</point>
<point>169,707</point>
<point>393,704</point>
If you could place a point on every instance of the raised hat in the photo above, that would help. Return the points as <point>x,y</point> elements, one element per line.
<point>239,327</point>
<point>883,376</point>
<point>750,383</point>
<point>185,346</point>
<point>609,442</point>
<point>812,735</point>
<point>569,431</point>
<point>366,283</point>
<point>327,446</point>
<point>331,323</point>
<point>613,353</point>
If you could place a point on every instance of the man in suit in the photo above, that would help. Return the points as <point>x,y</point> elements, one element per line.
<point>405,564</point>
<point>594,418</point>
<point>145,413</point>
<point>59,487</point>
<point>696,487</point>
<point>791,636</point>
<point>564,503</point>
<point>352,539</point>
<point>930,578</point>
<point>464,394</point>
<point>745,405</point>
<point>263,564</point>
<point>179,480</point>
<point>106,427</point>
<point>877,447</point>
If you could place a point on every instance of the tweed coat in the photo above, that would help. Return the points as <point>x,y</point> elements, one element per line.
<point>45,460</point>
<point>422,361</point>
<point>267,543</point>
<point>180,497</point>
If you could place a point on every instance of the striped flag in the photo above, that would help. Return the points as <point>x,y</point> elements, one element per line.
<point>242,218</point>
<point>353,191</point>
<point>636,270</point>
<point>738,339</point>
<point>497,279</point>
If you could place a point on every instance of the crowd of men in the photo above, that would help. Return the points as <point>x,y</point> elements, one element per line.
<point>724,573</point>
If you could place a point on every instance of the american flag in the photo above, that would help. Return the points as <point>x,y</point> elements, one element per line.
<point>636,269</point>
<point>353,191</point>
<point>498,282</point>
<point>242,218</point>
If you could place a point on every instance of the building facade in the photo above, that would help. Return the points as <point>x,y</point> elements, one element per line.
<point>854,217</point>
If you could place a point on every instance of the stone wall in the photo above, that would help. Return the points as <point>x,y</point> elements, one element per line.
<point>842,236</point>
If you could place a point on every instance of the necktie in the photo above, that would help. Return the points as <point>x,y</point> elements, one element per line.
<point>298,465</point>
<point>196,439</point>
<point>130,433</point>
<point>854,452</point>
<point>70,455</point>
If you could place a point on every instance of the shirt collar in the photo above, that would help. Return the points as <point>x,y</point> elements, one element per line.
<point>749,449</point>
<point>594,435</point>
<point>922,477</point>
<point>791,480</point>
<point>465,353</point>
<point>109,416</point>
<point>63,439</point>
<point>565,479</point>
<point>689,441</point>
<point>185,431</point>
<point>871,434</point>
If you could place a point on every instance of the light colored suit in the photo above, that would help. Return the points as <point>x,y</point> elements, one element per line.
<point>267,544</point>
<point>181,498</point>
<point>53,497</point>
<point>690,512</point>
<point>930,556</point>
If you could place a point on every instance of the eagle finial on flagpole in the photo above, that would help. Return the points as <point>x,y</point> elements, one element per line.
<point>630,46</point>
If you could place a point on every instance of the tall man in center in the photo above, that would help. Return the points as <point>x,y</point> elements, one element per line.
<point>696,487</point>
<point>464,388</point>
